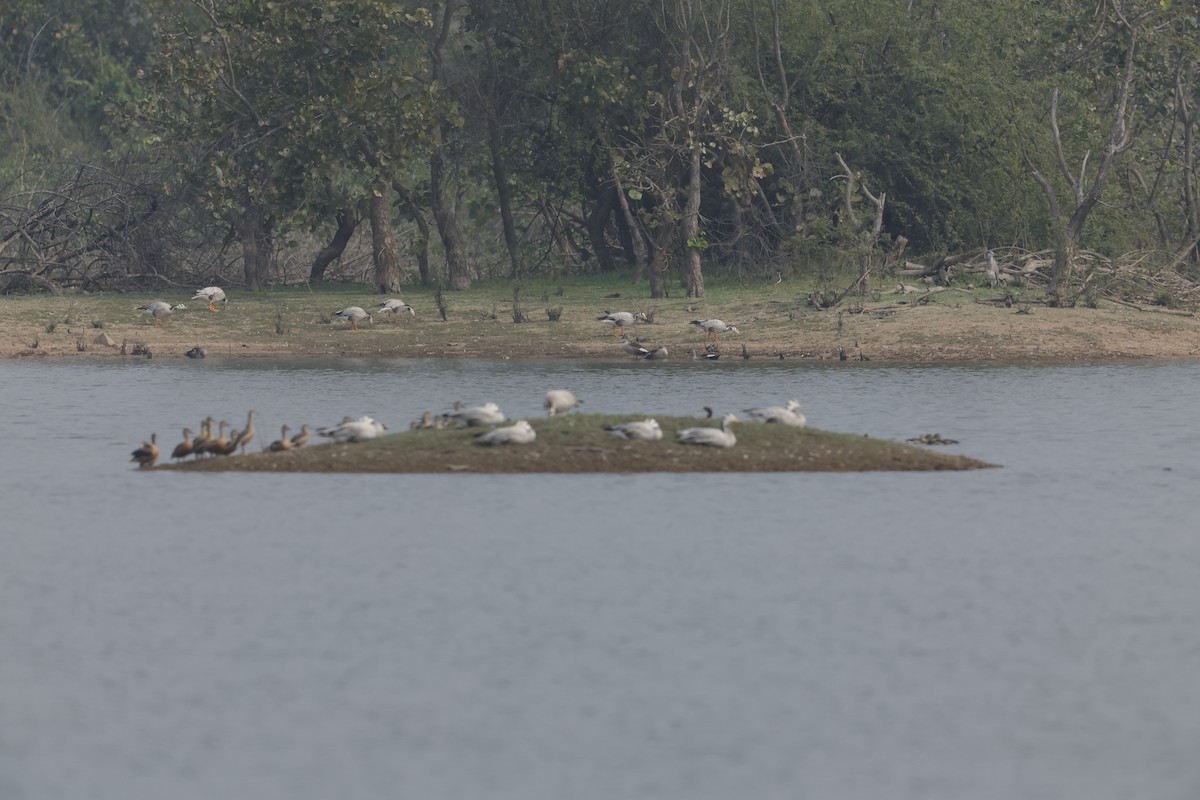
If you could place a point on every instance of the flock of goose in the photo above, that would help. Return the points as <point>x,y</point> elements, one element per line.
<point>620,323</point>
<point>557,401</point>
<point>226,441</point>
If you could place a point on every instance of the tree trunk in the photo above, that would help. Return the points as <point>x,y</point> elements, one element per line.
<point>693,244</point>
<point>253,228</point>
<point>414,211</point>
<point>447,223</point>
<point>384,252</point>
<point>630,230</point>
<point>499,170</point>
<point>458,273</point>
<point>597,221</point>
<point>347,222</point>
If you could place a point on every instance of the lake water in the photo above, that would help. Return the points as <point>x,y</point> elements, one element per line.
<point>1025,632</point>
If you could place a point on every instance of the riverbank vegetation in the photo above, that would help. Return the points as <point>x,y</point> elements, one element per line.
<point>578,443</point>
<point>670,147</point>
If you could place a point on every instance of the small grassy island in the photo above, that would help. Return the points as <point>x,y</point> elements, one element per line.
<point>578,443</point>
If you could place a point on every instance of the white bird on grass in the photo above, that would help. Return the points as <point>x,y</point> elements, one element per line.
<point>520,432</point>
<point>619,320</point>
<point>353,315</point>
<point>396,307</point>
<point>560,401</point>
<point>161,311</point>
<point>647,430</point>
<point>354,430</point>
<point>210,295</point>
<point>477,416</point>
<point>713,327</point>
<point>784,415</point>
<point>713,437</point>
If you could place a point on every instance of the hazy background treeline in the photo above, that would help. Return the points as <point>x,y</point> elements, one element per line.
<point>150,142</point>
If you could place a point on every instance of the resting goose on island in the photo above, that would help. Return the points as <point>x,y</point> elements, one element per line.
<point>713,437</point>
<point>784,415</point>
<point>560,401</point>
<point>646,430</point>
<point>477,416</point>
<point>211,294</point>
<point>301,438</point>
<point>520,432</point>
<point>283,443</point>
<point>354,430</point>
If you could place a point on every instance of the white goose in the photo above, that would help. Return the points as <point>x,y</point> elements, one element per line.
<point>784,415</point>
<point>161,311</point>
<point>713,327</point>
<point>211,294</point>
<point>477,416</point>
<point>560,401</point>
<point>619,320</point>
<point>713,437</point>
<point>396,307</point>
<point>353,315</point>
<point>354,430</point>
<point>647,430</point>
<point>520,432</point>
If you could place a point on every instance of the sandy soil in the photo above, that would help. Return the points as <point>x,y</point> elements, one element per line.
<point>886,331</point>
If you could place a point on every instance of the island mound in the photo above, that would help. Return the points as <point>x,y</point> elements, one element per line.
<point>578,443</point>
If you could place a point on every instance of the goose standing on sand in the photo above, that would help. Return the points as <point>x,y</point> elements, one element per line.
<point>713,328</point>
<point>184,448</point>
<point>396,308</point>
<point>560,401</point>
<point>476,416</point>
<point>161,311</point>
<point>147,454</point>
<point>647,430</point>
<point>281,444</point>
<point>301,438</point>
<point>620,320</point>
<point>211,294</point>
<point>212,446</point>
<point>520,432</point>
<point>783,415</point>
<point>247,432</point>
<point>353,315</point>
<point>355,430</point>
<point>713,437</point>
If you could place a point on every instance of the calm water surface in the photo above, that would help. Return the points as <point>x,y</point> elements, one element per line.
<point>1026,632</point>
